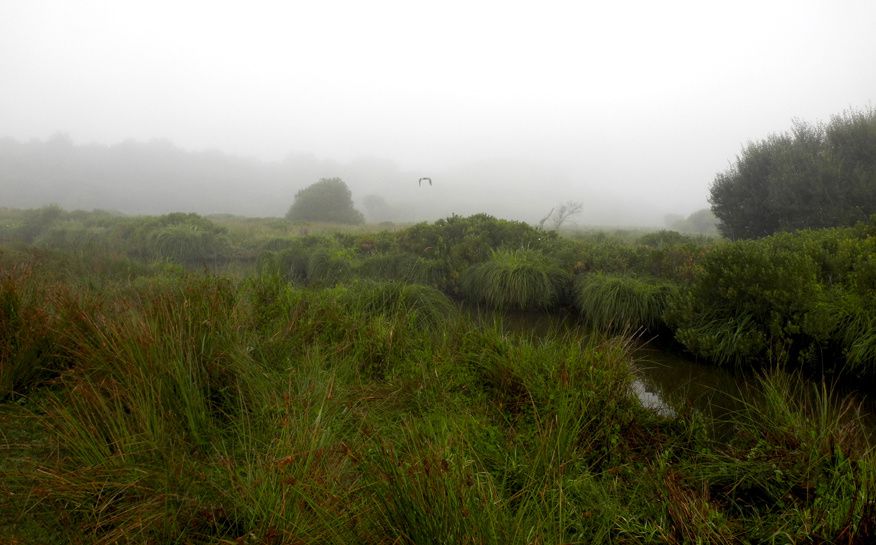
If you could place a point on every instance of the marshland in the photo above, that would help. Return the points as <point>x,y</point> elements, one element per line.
<point>460,272</point>
<point>182,379</point>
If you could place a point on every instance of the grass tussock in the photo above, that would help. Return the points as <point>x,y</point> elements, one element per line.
<point>802,446</point>
<point>621,303</point>
<point>522,279</point>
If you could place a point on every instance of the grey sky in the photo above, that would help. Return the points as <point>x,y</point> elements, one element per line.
<point>641,100</point>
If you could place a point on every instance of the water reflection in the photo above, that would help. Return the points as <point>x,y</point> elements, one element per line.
<point>682,382</point>
<point>670,383</point>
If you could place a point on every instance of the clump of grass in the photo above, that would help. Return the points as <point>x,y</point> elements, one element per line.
<point>171,353</point>
<point>618,303</point>
<point>803,447</point>
<point>29,348</point>
<point>326,269</point>
<point>732,341</point>
<point>521,278</point>
<point>849,319</point>
<point>289,473</point>
<point>424,305</point>
<point>401,267</point>
<point>431,488</point>
<point>288,263</point>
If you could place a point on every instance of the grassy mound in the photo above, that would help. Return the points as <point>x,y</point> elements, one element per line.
<point>523,279</point>
<point>611,302</point>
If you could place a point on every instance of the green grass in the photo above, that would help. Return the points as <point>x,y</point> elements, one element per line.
<point>621,303</point>
<point>804,447</point>
<point>521,278</point>
<point>193,408</point>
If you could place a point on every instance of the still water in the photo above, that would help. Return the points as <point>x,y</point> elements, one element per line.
<point>669,381</point>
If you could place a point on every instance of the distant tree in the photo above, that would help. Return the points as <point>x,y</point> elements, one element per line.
<point>561,213</point>
<point>813,176</point>
<point>566,211</point>
<point>701,222</point>
<point>329,199</point>
<point>377,209</point>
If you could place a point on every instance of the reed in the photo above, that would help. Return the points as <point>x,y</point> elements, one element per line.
<point>802,446</point>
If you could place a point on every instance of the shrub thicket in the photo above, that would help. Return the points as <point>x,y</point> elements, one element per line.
<point>802,298</point>
<point>814,176</point>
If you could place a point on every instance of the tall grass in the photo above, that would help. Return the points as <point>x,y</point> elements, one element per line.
<point>804,447</point>
<point>30,316</point>
<point>619,303</point>
<point>731,341</point>
<point>197,409</point>
<point>521,278</point>
<point>424,305</point>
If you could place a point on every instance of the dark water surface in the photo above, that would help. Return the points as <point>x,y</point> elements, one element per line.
<point>670,381</point>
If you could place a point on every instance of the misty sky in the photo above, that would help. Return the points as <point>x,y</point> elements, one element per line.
<point>638,100</point>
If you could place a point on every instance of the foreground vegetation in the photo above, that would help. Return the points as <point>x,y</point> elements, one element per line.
<point>186,380</point>
<point>147,404</point>
<point>801,300</point>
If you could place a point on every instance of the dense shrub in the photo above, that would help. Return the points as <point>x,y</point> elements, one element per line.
<point>328,200</point>
<point>803,298</point>
<point>811,177</point>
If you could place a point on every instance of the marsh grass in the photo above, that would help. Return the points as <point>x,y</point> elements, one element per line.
<point>849,319</point>
<point>804,447</point>
<point>199,409</point>
<point>325,270</point>
<point>32,313</point>
<point>732,341</point>
<point>424,305</point>
<point>432,488</point>
<point>289,471</point>
<point>402,267</point>
<point>621,303</point>
<point>521,278</point>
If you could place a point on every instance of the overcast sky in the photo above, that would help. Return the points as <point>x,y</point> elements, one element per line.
<point>641,98</point>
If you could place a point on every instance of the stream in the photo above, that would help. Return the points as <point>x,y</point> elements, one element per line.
<point>668,381</point>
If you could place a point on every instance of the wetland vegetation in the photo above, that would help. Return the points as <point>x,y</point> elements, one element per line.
<point>182,379</point>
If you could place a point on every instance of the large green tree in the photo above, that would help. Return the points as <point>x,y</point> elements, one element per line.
<point>329,199</point>
<point>821,175</point>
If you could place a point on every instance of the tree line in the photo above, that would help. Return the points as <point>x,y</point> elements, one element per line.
<point>813,176</point>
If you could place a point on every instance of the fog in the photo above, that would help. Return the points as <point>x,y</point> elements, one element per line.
<point>229,107</point>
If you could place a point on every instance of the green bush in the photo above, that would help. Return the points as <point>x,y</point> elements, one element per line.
<point>804,298</point>
<point>813,176</point>
<point>327,200</point>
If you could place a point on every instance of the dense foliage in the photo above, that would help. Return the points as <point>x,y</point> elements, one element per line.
<point>805,298</point>
<point>813,176</point>
<point>328,200</point>
<point>197,408</point>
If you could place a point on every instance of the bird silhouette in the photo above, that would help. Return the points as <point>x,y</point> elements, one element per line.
<point>420,181</point>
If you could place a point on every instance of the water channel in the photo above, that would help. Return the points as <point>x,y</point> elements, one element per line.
<point>668,380</point>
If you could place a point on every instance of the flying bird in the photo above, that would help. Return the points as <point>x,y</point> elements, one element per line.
<point>420,181</point>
